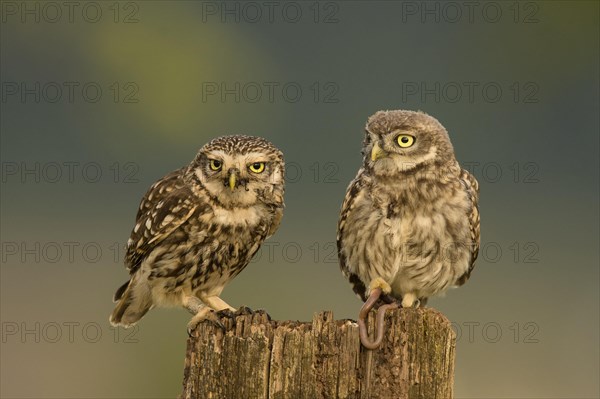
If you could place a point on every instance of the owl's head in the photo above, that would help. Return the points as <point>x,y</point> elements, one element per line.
<point>241,170</point>
<point>404,141</point>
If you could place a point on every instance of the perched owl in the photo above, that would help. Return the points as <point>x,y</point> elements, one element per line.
<point>409,223</point>
<point>199,226</point>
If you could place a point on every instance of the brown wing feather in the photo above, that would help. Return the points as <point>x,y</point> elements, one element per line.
<point>472,187</point>
<point>165,207</point>
<point>358,285</point>
<point>173,179</point>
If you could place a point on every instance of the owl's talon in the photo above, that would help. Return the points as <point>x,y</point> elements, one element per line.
<point>192,325</point>
<point>226,313</point>
<point>380,283</point>
<point>208,315</point>
<point>387,298</point>
<point>244,311</point>
<point>410,300</point>
<point>218,324</point>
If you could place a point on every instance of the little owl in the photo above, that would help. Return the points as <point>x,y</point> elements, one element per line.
<point>409,224</point>
<point>199,226</point>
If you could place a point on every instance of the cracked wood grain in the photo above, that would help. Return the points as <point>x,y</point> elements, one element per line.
<point>259,358</point>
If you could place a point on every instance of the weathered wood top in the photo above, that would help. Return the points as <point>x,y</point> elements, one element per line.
<point>259,358</point>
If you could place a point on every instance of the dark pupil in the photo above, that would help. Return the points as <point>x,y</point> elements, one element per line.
<point>256,166</point>
<point>216,164</point>
<point>404,139</point>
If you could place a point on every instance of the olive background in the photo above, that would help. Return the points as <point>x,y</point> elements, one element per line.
<point>515,84</point>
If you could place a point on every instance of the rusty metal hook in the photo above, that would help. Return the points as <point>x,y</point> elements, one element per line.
<point>379,321</point>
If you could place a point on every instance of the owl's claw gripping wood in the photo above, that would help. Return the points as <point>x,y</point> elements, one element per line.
<point>244,310</point>
<point>380,320</point>
<point>226,313</point>
<point>206,314</point>
<point>410,301</point>
<point>201,313</point>
<point>380,283</point>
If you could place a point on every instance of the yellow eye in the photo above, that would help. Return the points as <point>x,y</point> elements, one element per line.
<point>216,164</point>
<point>405,140</point>
<point>257,167</point>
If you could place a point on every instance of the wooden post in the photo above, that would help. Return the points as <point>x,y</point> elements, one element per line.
<point>257,358</point>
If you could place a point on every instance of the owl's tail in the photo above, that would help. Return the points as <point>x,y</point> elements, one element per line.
<point>133,301</point>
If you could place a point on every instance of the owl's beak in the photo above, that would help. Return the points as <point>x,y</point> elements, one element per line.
<point>232,180</point>
<point>377,152</point>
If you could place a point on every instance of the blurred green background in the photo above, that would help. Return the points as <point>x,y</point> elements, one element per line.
<point>101,99</point>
